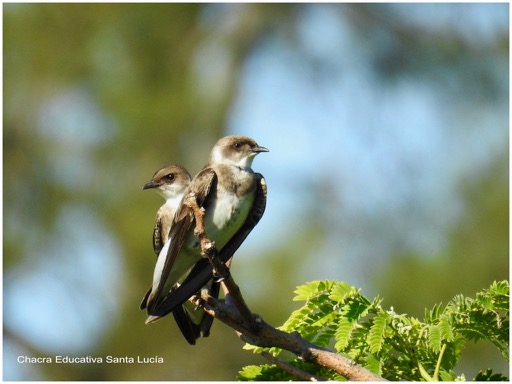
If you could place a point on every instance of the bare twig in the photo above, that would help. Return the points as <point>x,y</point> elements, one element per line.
<point>252,328</point>
<point>291,369</point>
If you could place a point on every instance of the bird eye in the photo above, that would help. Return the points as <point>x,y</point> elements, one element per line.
<point>170,176</point>
<point>237,145</point>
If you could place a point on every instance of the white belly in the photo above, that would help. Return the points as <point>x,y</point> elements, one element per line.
<point>225,217</point>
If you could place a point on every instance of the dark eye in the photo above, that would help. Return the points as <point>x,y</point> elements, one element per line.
<point>237,145</point>
<point>170,176</point>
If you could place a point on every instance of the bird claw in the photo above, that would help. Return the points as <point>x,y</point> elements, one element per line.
<point>199,304</point>
<point>218,276</point>
<point>197,301</point>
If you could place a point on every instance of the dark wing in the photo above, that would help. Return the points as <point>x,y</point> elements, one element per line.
<point>157,236</point>
<point>185,325</point>
<point>203,270</point>
<point>144,302</point>
<point>207,321</point>
<point>157,247</point>
<point>201,186</point>
<point>188,328</point>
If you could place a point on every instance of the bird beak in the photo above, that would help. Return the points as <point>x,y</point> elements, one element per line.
<point>150,184</point>
<point>259,149</point>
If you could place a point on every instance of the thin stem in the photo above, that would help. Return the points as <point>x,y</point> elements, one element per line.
<point>438,365</point>
<point>291,369</point>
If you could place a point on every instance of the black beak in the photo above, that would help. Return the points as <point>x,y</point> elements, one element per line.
<point>259,149</point>
<point>150,184</point>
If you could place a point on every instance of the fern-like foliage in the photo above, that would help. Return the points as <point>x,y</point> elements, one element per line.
<point>395,346</point>
<point>487,375</point>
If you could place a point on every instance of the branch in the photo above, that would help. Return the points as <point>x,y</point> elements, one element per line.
<point>291,369</point>
<point>251,328</point>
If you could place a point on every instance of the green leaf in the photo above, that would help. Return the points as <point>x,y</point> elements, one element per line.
<point>434,338</point>
<point>251,372</point>
<point>313,288</point>
<point>487,375</point>
<point>378,332</point>
<point>433,315</point>
<point>447,376</point>
<point>373,364</point>
<point>350,315</point>
<point>445,328</point>
<point>356,309</point>
<point>343,332</point>
<point>324,337</point>
<point>304,292</point>
<point>340,291</point>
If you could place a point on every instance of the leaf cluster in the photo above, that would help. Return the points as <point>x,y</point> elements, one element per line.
<point>395,346</point>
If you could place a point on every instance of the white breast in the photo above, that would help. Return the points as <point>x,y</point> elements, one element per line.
<point>227,214</point>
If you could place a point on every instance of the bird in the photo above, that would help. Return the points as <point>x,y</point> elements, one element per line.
<point>171,182</point>
<point>234,199</point>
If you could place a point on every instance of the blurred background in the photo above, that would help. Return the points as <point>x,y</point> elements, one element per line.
<point>387,126</point>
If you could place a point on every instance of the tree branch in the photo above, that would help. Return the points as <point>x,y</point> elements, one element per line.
<point>291,369</point>
<point>251,328</point>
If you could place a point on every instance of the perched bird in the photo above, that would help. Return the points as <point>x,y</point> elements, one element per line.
<point>171,182</point>
<point>234,198</point>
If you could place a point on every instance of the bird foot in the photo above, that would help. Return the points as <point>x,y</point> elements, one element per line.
<point>220,275</point>
<point>197,301</point>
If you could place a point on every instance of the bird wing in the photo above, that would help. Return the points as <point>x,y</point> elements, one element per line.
<point>182,223</point>
<point>185,325</point>
<point>157,247</point>
<point>157,236</point>
<point>190,330</point>
<point>203,270</point>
